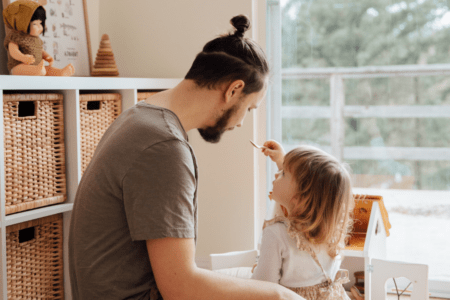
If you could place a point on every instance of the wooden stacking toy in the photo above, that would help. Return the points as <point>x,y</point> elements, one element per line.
<point>105,65</point>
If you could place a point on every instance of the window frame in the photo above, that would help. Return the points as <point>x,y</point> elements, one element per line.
<point>338,110</point>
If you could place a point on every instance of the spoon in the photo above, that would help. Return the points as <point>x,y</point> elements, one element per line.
<point>257,146</point>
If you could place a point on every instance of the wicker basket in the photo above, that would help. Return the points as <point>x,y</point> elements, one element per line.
<point>97,112</point>
<point>144,95</point>
<point>35,174</point>
<point>34,258</point>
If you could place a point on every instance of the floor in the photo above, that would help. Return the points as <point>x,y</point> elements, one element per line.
<point>394,297</point>
<point>403,297</point>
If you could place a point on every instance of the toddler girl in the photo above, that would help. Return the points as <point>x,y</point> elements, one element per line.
<point>300,248</point>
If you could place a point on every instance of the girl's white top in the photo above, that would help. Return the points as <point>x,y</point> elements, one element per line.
<point>280,260</point>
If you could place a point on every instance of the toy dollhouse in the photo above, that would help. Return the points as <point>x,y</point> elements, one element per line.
<point>368,240</point>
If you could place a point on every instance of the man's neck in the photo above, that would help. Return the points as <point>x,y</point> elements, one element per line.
<point>194,106</point>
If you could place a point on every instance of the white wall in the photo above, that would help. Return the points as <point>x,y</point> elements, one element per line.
<point>93,12</point>
<point>161,39</point>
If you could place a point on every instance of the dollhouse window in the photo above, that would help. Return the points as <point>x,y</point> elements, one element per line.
<point>369,83</point>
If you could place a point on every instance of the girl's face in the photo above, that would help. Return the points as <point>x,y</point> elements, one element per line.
<point>36,28</point>
<point>284,189</point>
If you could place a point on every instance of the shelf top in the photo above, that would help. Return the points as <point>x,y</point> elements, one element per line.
<point>37,213</point>
<point>16,82</point>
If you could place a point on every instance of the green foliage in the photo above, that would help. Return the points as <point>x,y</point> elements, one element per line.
<point>330,33</point>
<point>327,33</point>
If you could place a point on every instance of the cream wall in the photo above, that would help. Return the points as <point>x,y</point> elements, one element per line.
<point>161,39</point>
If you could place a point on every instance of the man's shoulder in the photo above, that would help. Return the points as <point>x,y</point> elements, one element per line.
<point>160,123</point>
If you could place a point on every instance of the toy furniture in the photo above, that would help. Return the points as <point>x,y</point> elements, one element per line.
<point>368,240</point>
<point>384,270</point>
<point>359,277</point>
<point>233,259</point>
<point>237,264</point>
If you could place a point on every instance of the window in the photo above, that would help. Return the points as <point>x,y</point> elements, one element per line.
<point>369,82</point>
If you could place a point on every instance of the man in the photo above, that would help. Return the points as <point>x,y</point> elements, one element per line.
<point>134,221</point>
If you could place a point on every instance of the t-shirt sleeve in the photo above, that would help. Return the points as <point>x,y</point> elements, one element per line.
<point>270,258</point>
<point>159,191</point>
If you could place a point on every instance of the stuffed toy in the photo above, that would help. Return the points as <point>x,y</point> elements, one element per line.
<point>25,21</point>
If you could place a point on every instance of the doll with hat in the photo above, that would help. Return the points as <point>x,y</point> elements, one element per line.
<point>25,20</point>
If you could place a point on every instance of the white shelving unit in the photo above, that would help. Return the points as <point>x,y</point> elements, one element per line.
<point>70,87</point>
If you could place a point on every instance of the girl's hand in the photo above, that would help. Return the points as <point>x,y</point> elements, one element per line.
<point>28,59</point>
<point>275,151</point>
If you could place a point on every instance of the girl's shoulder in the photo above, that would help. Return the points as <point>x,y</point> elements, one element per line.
<point>276,222</point>
<point>283,226</point>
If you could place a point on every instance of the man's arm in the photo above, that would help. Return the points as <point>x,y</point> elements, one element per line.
<point>178,277</point>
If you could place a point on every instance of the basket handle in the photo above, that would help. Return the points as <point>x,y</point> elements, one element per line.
<point>27,109</point>
<point>93,105</point>
<point>27,234</point>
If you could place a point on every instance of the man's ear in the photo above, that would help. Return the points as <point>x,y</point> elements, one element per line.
<point>233,89</point>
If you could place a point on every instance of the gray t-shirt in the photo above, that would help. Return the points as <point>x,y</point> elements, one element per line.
<point>140,184</point>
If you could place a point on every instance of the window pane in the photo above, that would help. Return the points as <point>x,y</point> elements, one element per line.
<point>327,33</point>
<point>396,132</point>
<point>397,136</point>
<point>424,90</point>
<point>401,174</point>
<point>306,92</point>
<point>306,131</point>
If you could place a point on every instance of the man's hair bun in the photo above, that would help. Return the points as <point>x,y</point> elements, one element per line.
<point>241,23</point>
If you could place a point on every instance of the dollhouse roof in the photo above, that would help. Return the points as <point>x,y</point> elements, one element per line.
<point>363,207</point>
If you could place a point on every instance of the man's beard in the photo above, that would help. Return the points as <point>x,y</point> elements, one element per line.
<point>212,134</point>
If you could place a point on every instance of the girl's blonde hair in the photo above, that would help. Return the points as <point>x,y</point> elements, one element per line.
<point>325,199</point>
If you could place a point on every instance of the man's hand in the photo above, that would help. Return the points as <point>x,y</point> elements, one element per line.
<point>275,151</point>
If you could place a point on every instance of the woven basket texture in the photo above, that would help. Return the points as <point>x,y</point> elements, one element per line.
<point>35,267</point>
<point>144,95</point>
<point>94,123</point>
<point>35,173</point>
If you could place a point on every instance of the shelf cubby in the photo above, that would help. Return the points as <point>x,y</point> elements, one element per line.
<point>71,88</point>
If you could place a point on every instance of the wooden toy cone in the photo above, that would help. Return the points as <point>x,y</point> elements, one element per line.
<point>105,65</point>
